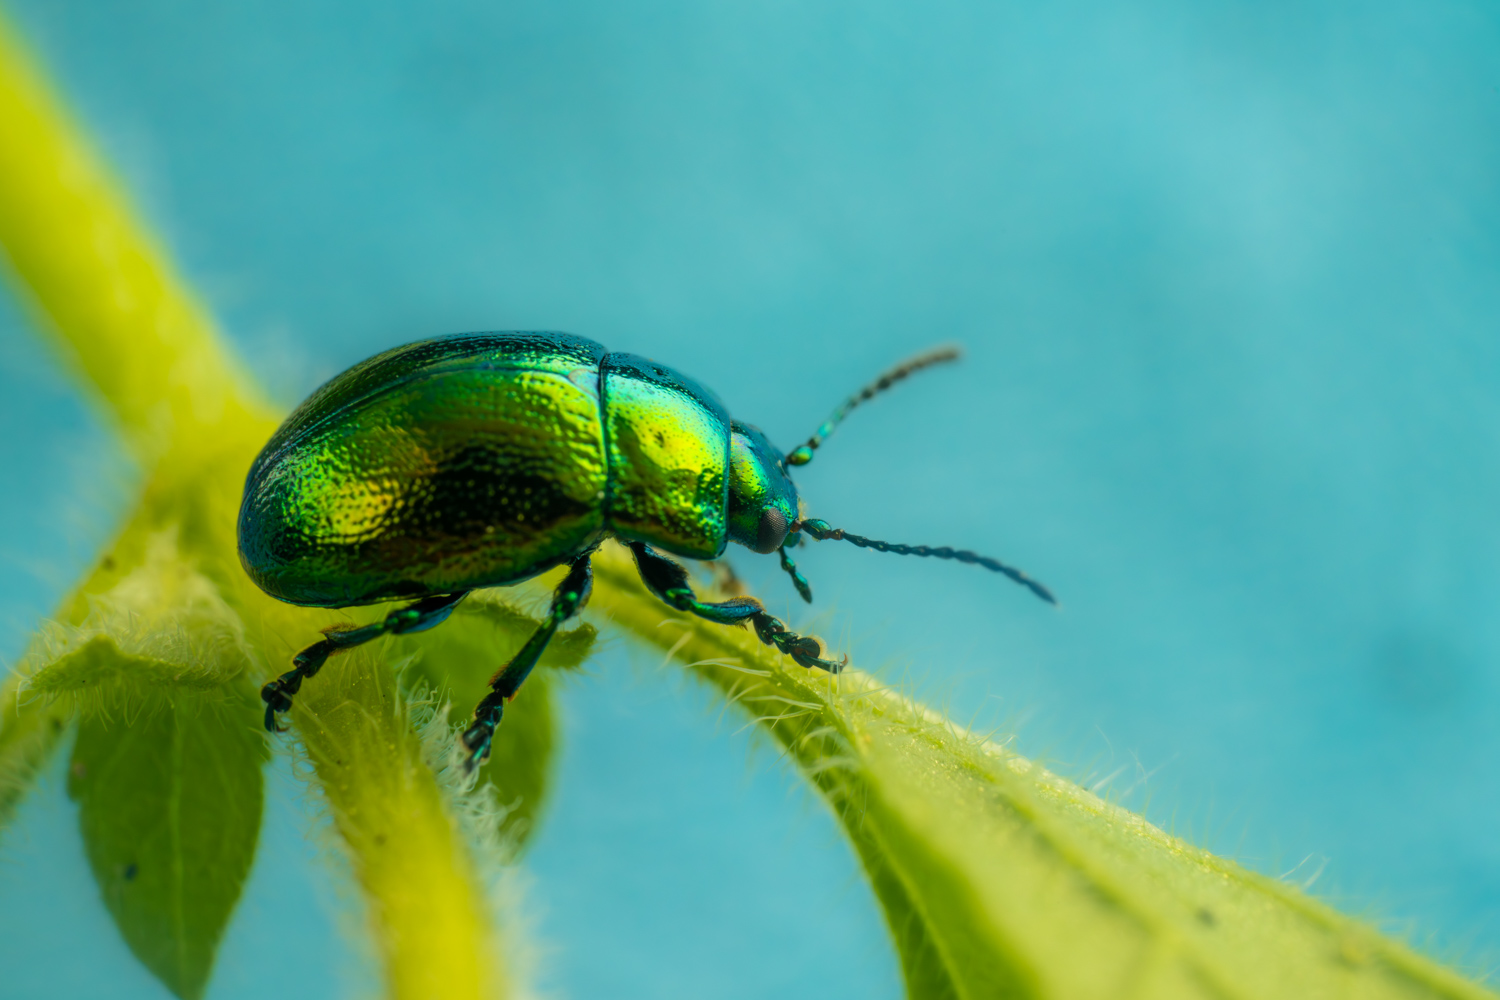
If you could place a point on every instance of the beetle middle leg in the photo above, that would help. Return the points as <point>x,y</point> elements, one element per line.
<point>422,615</point>
<point>669,581</point>
<point>570,595</point>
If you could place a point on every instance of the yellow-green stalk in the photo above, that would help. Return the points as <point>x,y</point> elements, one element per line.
<point>121,316</point>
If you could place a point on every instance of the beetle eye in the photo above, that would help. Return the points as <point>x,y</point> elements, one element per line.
<point>771,531</point>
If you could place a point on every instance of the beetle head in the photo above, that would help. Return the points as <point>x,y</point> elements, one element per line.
<point>762,500</point>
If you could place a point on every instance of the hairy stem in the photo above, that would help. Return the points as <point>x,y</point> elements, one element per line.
<point>119,313</point>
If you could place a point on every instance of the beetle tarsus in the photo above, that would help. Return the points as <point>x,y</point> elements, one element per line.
<point>310,661</point>
<point>804,650</point>
<point>276,699</point>
<point>479,737</point>
<point>668,581</point>
<point>277,694</point>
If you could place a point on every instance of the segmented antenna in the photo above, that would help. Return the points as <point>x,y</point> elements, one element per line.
<point>823,531</point>
<point>804,454</point>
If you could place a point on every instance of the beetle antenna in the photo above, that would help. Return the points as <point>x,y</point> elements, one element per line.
<point>804,454</point>
<point>823,531</point>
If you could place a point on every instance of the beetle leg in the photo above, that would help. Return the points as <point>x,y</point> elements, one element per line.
<point>798,580</point>
<point>570,595</point>
<point>669,581</point>
<point>418,617</point>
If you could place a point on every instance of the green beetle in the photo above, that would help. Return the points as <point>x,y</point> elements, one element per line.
<point>484,459</point>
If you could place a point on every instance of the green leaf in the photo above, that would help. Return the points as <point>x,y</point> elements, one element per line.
<point>169,807</point>
<point>923,966</point>
<point>29,731</point>
<point>458,659</point>
<point>161,626</point>
<point>97,665</point>
<point>1002,880</point>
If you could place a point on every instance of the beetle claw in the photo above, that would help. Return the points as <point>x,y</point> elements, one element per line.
<point>831,666</point>
<point>273,724</point>
<point>275,695</point>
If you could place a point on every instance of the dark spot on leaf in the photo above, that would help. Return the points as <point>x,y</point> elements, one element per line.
<point>380,840</point>
<point>130,872</point>
<point>107,563</point>
<point>80,769</point>
<point>1206,917</point>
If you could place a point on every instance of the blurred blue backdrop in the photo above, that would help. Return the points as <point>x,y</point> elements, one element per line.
<point>1227,276</point>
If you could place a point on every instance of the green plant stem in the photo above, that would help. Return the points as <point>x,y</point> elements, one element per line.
<point>122,318</point>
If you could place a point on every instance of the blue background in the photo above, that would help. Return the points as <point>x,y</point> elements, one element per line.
<point>1227,276</point>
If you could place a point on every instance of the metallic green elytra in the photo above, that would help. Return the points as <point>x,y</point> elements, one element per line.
<point>481,460</point>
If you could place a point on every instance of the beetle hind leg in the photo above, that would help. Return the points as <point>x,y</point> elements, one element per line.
<point>570,596</point>
<point>669,581</point>
<point>422,615</point>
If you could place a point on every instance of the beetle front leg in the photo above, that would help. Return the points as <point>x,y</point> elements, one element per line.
<point>669,581</point>
<point>570,596</point>
<point>422,615</point>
